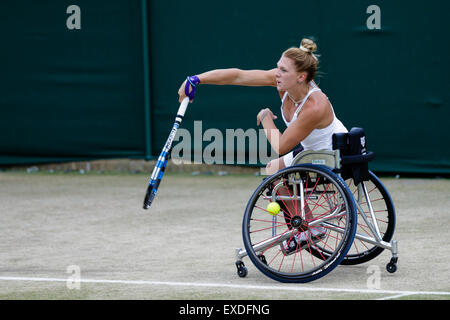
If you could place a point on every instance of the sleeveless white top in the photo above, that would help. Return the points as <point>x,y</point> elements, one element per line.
<point>318,139</point>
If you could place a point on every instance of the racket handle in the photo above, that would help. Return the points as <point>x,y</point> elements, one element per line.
<point>149,196</point>
<point>183,106</point>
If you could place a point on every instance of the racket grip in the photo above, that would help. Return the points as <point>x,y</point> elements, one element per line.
<point>149,196</point>
<point>183,107</point>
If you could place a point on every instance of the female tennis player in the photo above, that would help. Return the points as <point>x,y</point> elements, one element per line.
<point>306,110</point>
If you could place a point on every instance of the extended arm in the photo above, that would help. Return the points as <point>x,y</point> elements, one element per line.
<point>234,76</point>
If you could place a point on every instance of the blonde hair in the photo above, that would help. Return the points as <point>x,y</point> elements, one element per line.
<point>304,58</point>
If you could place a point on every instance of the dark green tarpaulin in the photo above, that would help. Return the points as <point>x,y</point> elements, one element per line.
<point>85,94</point>
<point>71,94</point>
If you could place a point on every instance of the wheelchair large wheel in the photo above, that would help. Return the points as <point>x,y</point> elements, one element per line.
<point>383,208</point>
<point>317,214</point>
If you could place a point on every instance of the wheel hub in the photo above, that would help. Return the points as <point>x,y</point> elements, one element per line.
<point>298,223</point>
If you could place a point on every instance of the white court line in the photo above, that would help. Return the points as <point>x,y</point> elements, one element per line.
<point>394,297</point>
<point>287,287</point>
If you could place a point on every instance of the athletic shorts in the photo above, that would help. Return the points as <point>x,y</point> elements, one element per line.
<point>289,157</point>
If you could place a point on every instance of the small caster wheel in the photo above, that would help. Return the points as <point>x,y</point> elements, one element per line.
<point>391,267</point>
<point>241,269</point>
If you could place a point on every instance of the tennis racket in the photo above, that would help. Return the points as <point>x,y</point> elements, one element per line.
<point>161,164</point>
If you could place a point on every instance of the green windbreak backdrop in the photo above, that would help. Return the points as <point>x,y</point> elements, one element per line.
<point>391,81</point>
<point>68,93</point>
<point>109,89</point>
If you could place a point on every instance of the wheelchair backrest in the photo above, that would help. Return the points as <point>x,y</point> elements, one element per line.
<point>354,154</point>
<point>350,143</point>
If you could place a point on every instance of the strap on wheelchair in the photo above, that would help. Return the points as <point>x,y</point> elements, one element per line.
<point>358,158</point>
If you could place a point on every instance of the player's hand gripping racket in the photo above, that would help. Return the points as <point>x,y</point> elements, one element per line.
<point>161,164</point>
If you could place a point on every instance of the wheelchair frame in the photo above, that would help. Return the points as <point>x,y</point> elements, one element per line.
<point>330,159</point>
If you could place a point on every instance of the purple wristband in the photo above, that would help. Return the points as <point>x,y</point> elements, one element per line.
<point>191,82</point>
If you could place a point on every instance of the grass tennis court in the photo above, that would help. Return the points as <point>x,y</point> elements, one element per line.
<point>183,247</point>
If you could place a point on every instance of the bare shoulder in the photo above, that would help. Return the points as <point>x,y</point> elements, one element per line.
<point>317,102</point>
<point>317,109</point>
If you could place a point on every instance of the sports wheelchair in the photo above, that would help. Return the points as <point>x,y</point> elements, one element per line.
<point>333,210</point>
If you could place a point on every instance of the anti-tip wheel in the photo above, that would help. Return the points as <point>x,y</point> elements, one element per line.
<point>391,267</point>
<point>241,269</point>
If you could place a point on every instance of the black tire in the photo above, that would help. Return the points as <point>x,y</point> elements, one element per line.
<point>259,228</point>
<point>391,267</point>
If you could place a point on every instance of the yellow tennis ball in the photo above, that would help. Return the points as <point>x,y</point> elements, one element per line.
<point>273,208</point>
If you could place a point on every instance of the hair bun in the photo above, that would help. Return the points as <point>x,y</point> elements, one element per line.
<point>308,45</point>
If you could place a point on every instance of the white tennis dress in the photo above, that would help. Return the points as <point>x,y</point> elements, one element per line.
<point>318,139</point>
